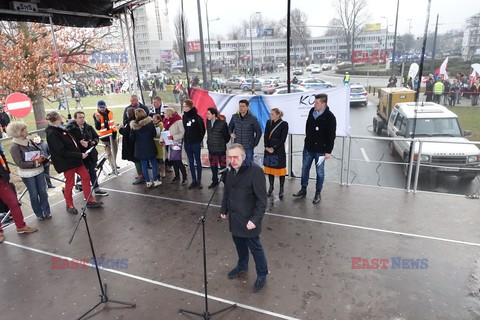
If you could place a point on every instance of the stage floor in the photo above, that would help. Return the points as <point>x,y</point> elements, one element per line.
<point>309,249</point>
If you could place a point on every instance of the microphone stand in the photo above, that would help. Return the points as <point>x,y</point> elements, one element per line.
<point>103,287</point>
<point>206,315</point>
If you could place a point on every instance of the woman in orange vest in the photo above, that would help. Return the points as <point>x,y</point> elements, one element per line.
<point>105,125</point>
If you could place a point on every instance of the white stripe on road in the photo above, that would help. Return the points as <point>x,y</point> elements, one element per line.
<point>158,283</point>
<point>400,233</point>
<point>364,153</point>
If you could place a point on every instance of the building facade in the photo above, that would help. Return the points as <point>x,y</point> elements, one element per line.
<point>274,50</point>
<point>153,38</point>
<point>471,37</point>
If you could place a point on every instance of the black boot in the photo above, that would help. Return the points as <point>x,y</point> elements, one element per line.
<point>301,194</point>
<point>317,197</point>
<point>282,183</point>
<point>271,180</point>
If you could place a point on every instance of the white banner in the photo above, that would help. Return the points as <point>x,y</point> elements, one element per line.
<point>295,106</point>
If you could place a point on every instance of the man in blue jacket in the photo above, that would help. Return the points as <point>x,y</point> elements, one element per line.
<point>319,140</point>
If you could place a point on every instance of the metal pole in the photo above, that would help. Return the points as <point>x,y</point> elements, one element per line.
<point>125,48</point>
<point>413,144</point>
<point>434,44</point>
<point>131,84</point>
<point>395,39</point>
<point>417,169</point>
<point>209,49</point>
<point>202,46</point>
<point>114,155</point>
<point>343,159</point>
<point>348,159</point>
<point>251,54</point>
<point>289,4</point>
<point>290,143</point>
<point>60,68</point>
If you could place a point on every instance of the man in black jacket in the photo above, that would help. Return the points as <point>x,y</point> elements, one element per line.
<point>135,104</point>
<point>319,140</point>
<point>217,138</point>
<point>87,138</point>
<point>244,203</point>
<point>245,129</point>
<point>193,137</point>
<point>4,120</point>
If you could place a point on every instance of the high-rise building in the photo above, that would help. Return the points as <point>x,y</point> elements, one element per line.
<point>153,39</point>
<point>471,37</point>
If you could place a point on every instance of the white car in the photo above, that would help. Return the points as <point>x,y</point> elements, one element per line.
<point>293,89</point>
<point>358,94</point>
<point>316,70</point>
<point>326,66</point>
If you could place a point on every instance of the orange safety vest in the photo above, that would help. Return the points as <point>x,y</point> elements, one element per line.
<point>103,131</point>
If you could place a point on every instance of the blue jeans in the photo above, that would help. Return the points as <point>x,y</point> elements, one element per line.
<point>37,190</point>
<point>144,163</point>
<point>217,159</point>
<point>242,245</point>
<point>193,153</point>
<point>249,153</point>
<point>308,158</point>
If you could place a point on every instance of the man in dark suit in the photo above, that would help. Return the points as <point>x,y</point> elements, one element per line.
<point>244,204</point>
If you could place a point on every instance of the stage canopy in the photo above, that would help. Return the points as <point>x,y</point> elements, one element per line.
<point>84,13</point>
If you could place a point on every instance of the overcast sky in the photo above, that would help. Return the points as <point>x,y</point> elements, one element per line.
<point>452,13</point>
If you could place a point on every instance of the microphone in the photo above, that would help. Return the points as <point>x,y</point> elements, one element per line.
<point>224,172</point>
<point>101,163</point>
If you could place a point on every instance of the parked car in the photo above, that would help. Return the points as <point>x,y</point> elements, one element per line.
<point>247,84</point>
<point>235,82</point>
<point>442,151</point>
<point>358,94</point>
<point>281,66</point>
<point>293,89</point>
<point>297,71</point>
<point>316,70</point>
<point>315,83</point>
<point>269,85</point>
<point>311,66</point>
<point>344,65</point>
<point>326,66</point>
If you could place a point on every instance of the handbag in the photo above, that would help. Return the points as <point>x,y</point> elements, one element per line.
<point>175,152</point>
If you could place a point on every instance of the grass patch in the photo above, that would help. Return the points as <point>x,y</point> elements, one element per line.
<point>469,118</point>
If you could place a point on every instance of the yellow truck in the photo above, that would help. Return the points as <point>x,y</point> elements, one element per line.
<point>387,99</point>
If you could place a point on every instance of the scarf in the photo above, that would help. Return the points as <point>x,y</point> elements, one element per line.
<point>168,122</point>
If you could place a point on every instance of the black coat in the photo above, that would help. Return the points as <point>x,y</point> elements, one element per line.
<point>142,133</point>
<point>65,153</point>
<point>247,129</point>
<point>88,134</point>
<point>244,199</point>
<point>217,136</point>
<point>277,159</point>
<point>194,127</point>
<point>128,146</point>
<point>320,132</point>
<point>4,173</point>
<point>125,117</point>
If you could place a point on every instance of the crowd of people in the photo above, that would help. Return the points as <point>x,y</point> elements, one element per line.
<point>154,140</point>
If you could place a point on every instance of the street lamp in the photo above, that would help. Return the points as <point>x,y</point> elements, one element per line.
<point>251,49</point>
<point>386,33</point>
<point>208,35</point>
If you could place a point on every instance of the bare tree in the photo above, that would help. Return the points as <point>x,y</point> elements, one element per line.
<point>352,15</point>
<point>179,41</point>
<point>335,25</point>
<point>299,30</point>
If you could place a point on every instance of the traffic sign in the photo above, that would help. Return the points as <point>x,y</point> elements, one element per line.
<point>18,105</point>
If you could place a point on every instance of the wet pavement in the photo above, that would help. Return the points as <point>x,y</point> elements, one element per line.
<point>433,240</point>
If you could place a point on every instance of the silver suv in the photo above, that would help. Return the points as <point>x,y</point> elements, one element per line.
<point>438,127</point>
